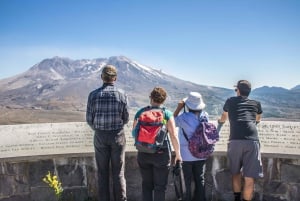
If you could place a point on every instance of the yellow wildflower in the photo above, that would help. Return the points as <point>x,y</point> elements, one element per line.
<point>53,182</point>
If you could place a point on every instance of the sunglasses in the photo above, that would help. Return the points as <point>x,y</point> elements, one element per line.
<point>235,90</point>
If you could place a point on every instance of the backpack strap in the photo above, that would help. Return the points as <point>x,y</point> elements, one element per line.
<point>168,143</point>
<point>185,135</point>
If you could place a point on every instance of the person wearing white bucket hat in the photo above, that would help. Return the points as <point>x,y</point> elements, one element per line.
<point>187,122</point>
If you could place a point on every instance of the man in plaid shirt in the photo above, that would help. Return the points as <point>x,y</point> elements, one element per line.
<point>106,114</point>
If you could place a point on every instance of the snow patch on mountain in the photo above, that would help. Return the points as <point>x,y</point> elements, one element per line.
<point>56,75</point>
<point>38,86</point>
<point>146,69</point>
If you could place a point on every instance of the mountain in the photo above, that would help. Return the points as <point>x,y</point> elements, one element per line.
<point>278,102</point>
<point>56,89</point>
<point>296,88</point>
<point>62,84</point>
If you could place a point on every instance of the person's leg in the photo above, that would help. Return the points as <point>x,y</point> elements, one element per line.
<point>234,156</point>
<point>248,188</point>
<point>198,172</point>
<point>146,170</point>
<point>118,165</point>
<point>237,186</point>
<point>160,175</point>
<point>102,156</point>
<point>187,172</point>
<point>252,167</point>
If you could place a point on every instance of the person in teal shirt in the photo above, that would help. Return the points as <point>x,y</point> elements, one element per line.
<point>154,167</point>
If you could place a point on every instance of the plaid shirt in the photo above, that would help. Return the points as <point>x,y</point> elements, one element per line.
<point>107,108</point>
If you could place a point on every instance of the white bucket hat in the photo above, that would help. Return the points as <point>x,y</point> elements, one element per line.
<point>194,101</point>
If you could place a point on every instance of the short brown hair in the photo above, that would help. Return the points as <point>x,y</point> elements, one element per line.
<point>158,95</point>
<point>109,72</point>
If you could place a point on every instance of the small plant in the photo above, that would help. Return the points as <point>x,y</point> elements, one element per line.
<point>53,182</point>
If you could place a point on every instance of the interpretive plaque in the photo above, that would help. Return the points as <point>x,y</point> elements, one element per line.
<point>280,137</point>
<point>275,137</point>
<point>45,139</point>
<point>77,137</point>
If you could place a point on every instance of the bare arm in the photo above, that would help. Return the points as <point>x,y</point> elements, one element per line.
<point>179,108</point>
<point>258,118</point>
<point>134,124</point>
<point>174,138</point>
<point>223,118</point>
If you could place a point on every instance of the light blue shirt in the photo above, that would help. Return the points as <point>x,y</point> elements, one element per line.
<point>189,122</point>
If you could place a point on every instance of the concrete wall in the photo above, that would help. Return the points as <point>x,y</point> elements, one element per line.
<point>29,151</point>
<point>21,180</point>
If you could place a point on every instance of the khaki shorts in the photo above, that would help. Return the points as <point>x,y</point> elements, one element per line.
<point>244,157</point>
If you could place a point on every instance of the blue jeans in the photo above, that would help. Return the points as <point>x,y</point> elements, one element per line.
<point>154,169</point>
<point>196,170</point>
<point>110,149</point>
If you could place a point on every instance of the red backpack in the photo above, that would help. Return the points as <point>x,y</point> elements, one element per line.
<point>151,131</point>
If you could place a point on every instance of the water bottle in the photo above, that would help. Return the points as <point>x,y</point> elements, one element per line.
<point>161,136</point>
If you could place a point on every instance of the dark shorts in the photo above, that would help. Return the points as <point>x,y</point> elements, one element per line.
<point>244,156</point>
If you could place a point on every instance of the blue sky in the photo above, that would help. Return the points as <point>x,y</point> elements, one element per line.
<point>209,42</point>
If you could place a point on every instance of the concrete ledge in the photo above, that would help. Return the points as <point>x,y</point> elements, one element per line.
<point>27,140</point>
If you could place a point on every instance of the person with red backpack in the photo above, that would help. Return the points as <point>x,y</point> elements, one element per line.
<point>154,155</point>
<point>188,122</point>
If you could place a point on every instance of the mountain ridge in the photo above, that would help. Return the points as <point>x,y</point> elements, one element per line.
<point>63,84</point>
